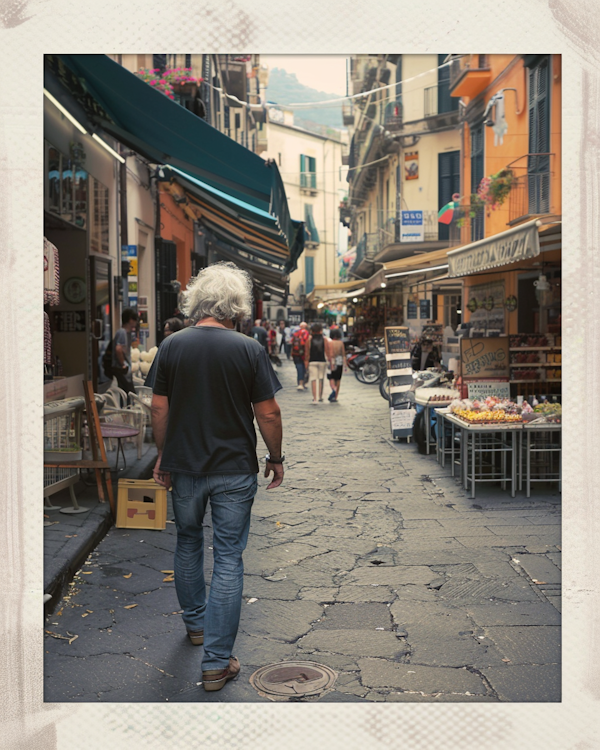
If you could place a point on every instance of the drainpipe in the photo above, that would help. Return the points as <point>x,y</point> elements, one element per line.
<point>124,235</point>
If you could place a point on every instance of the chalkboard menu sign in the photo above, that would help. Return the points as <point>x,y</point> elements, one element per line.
<point>411,310</point>
<point>396,339</point>
<point>425,309</point>
<point>483,358</point>
<point>400,380</point>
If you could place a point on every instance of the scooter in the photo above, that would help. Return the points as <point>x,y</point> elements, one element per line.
<point>368,364</point>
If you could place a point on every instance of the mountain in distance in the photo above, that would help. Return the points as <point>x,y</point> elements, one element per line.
<point>284,88</point>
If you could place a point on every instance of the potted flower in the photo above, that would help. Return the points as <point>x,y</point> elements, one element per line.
<point>182,80</point>
<point>495,189</point>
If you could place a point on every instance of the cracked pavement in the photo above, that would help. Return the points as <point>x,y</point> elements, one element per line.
<point>370,559</point>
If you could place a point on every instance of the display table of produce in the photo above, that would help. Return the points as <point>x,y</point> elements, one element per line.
<point>488,452</point>
<point>498,440</point>
<point>541,449</point>
<point>433,398</point>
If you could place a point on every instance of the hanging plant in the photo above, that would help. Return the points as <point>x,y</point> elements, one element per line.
<point>495,189</point>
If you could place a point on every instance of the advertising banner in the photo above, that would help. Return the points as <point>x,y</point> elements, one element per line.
<point>411,165</point>
<point>412,226</point>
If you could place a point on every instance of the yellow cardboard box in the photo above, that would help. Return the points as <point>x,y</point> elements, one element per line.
<point>141,504</point>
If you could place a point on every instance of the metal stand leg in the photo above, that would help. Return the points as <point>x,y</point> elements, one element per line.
<point>473,449</point>
<point>514,443</point>
<point>528,460</point>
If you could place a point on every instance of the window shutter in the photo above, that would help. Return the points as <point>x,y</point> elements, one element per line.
<point>309,273</point>
<point>477,144</point>
<point>538,167</point>
<point>448,183</point>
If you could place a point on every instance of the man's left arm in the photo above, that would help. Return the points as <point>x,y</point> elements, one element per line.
<point>160,418</point>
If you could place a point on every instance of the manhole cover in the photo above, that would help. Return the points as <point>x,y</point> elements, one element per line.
<point>293,679</point>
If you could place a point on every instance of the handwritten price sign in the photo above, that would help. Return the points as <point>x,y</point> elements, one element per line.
<point>484,357</point>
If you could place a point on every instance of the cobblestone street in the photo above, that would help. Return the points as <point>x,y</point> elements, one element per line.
<point>370,559</point>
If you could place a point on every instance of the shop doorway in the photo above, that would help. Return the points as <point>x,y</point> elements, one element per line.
<point>69,319</point>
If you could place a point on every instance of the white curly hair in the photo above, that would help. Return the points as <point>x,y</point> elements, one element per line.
<point>222,291</point>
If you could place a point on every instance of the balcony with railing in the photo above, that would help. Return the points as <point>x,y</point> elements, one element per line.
<point>467,225</point>
<point>530,192</point>
<point>392,116</point>
<point>469,75</point>
<point>439,107</point>
<point>348,114</point>
<point>308,180</point>
<point>366,249</point>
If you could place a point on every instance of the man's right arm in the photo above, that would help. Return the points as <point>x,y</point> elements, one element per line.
<point>268,417</point>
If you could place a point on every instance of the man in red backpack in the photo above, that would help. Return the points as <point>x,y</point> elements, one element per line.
<point>299,342</point>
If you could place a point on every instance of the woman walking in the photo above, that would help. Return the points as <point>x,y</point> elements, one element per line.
<point>298,348</point>
<point>317,355</point>
<point>337,363</point>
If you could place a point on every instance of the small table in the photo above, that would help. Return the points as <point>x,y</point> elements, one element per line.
<point>484,434</point>
<point>545,446</point>
<point>118,432</point>
<point>426,401</point>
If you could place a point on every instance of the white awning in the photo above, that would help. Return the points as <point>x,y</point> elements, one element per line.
<point>518,243</point>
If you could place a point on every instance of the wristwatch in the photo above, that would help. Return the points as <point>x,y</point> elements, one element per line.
<point>273,460</point>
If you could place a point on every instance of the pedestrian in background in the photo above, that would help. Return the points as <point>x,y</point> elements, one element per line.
<point>281,335</point>
<point>172,325</point>
<point>259,333</point>
<point>337,363</point>
<point>299,341</point>
<point>211,382</point>
<point>287,340</point>
<point>317,355</point>
<point>117,358</point>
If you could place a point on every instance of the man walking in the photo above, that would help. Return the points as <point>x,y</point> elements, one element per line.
<point>210,384</point>
<point>120,352</point>
<point>259,333</point>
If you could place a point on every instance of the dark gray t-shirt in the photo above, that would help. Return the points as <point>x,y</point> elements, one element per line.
<point>260,334</point>
<point>123,338</point>
<point>212,376</point>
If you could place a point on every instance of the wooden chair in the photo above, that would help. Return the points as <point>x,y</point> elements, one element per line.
<point>99,462</point>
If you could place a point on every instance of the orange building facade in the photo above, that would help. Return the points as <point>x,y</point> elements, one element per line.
<point>511,139</point>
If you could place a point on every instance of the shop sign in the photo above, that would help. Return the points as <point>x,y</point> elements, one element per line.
<point>486,305</point>
<point>396,339</point>
<point>402,419</point>
<point>425,309</point>
<point>484,357</point>
<point>481,391</point>
<point>411,310</point>
<point>412,227</point>
<point>505,248</point>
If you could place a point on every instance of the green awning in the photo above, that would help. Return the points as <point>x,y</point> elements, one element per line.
<point>103,94</point>
<point>237,223</point>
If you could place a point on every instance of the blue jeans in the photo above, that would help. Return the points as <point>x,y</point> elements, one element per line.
<point>300,369</point>
<point>231,497</point>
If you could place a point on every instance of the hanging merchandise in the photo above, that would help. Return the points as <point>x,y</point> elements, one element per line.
<point>47,340</point>
<point>51,274</point>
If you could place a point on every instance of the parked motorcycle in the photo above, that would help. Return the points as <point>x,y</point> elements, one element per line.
<point>368,364</point>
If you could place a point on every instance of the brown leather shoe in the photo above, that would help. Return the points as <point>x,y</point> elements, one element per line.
<point>215,679</point>
<point>197,637</point>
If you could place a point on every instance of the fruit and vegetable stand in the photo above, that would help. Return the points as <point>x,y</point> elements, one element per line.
<point>497,440</point>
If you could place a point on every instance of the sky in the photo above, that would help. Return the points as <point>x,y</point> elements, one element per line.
<point>322,72</point>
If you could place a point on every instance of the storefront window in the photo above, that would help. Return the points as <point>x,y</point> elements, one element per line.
<point>98,217</point>
<point>66,189</point>
<point>53,187</point>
